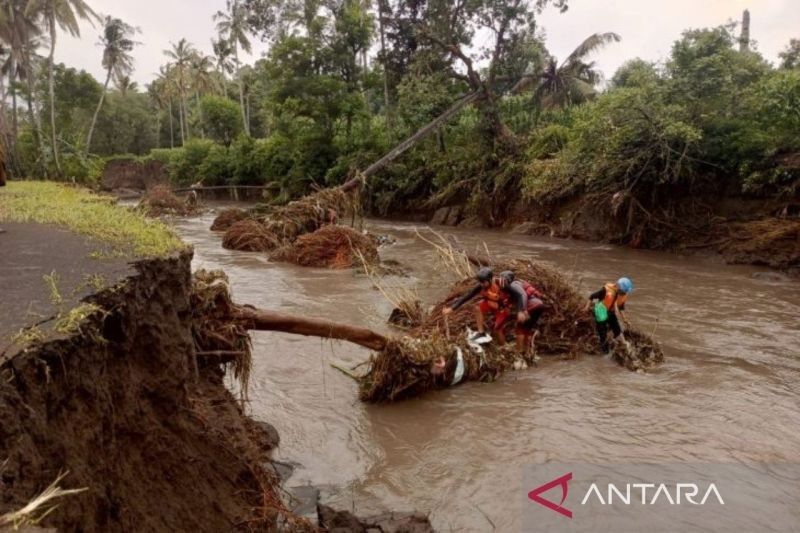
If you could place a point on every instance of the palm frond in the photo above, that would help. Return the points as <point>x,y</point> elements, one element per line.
<point>591,44</point>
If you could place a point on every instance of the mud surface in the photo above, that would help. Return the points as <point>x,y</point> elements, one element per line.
<point>726,393</point>
<point>30,251</point>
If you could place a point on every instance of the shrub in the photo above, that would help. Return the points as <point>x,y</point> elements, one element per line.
<point>184,166</point>
<point>221,118</point>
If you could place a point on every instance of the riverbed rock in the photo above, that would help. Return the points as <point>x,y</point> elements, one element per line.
<point>440,216</point>
<point>454,215</point>
<point>472,221</point>
<point>400,523</point>
<point>304,501</point>
<point>533,228</point>
<point>282,469</point>
<point>339,521</point>
<point>346,522</point>
<point>776,277</point>
<point>266,435</point>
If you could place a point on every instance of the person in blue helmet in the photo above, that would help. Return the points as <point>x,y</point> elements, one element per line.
<point>609,303</point>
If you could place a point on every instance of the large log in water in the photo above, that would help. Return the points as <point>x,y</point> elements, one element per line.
<point>259,319</point>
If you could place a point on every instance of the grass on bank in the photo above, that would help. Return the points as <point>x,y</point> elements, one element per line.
<point>130,233</point>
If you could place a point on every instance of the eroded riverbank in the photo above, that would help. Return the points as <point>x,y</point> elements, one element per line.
<point>725,394</point>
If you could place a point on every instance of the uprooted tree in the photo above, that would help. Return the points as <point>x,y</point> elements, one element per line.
<point>433,354</point>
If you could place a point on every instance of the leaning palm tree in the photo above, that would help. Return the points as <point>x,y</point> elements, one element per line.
<point>65,14</point>
<point>181,55</point>
<point>571,82</point>
<point>117,44</point>
<point>233,27</point>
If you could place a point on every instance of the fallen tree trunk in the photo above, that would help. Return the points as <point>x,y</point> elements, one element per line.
<point>412,141</point>
<point>261,320</point>
<point>311,212</point>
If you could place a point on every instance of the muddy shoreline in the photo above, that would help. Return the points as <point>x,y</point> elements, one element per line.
<point>738,229</point>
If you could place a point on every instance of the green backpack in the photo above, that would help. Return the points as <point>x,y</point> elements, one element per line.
<point>600,312</point>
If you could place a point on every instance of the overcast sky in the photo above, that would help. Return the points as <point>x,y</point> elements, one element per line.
<point>648,28</point>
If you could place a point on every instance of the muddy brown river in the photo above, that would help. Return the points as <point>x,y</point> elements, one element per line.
<point>727,392</point>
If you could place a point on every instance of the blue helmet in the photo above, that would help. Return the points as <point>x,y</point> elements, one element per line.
<point>625,285</point>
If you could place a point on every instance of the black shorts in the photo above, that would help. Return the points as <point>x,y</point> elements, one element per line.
<point>527,327</point>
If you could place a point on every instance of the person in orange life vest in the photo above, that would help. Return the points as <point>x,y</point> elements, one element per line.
<point>613,296</point>
<point>528,305</point>
<point>493,300</point>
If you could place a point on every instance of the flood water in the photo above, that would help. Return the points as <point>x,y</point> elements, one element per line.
<point>727,392</point>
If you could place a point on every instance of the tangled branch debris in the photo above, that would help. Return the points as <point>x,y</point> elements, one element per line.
<point>159,200</point>
<point>249,235</point>
<point>217,338</point>
<point>331,246</point>
<point>284,225</point>
<point>428,358</point>
<point>227,217</point>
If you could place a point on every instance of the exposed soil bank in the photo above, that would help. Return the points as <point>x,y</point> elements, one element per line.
<point>159,443</point>
<point>132,174</point>
<point>741,230</point>
<point>126,408</point>
<point>131,177</point>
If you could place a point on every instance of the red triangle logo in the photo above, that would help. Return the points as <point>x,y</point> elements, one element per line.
<point>562,481</point>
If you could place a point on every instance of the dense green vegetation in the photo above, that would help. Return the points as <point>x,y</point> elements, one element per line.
<point>346,80</point>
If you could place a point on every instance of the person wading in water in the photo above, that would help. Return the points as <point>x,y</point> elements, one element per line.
<point>528,304</point>
<point>609,302</point>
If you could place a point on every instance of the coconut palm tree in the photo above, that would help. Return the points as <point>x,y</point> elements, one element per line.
<point>171,86</point>
<point>159,98</point>
<point>117,42</point>
<point>181,54</point>
<point>223,52</point>
<point>26,71</point>
<point>203,81</point>
<point>125,84</point>
<point>571,82</point>
<point>233,27</point>
<point>161,90</point>
<point>64,14</point>
<point>17,28</point>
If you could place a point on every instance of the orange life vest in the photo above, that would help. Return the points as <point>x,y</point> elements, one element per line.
<point>494,296</point>
<point>612,295</point>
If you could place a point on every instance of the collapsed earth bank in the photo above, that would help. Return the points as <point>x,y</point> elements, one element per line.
<point>130,413</point>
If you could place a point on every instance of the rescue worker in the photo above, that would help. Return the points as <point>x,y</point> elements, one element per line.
<point>493,300</point>
<point>527,302</point>
<point>613,297</point>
